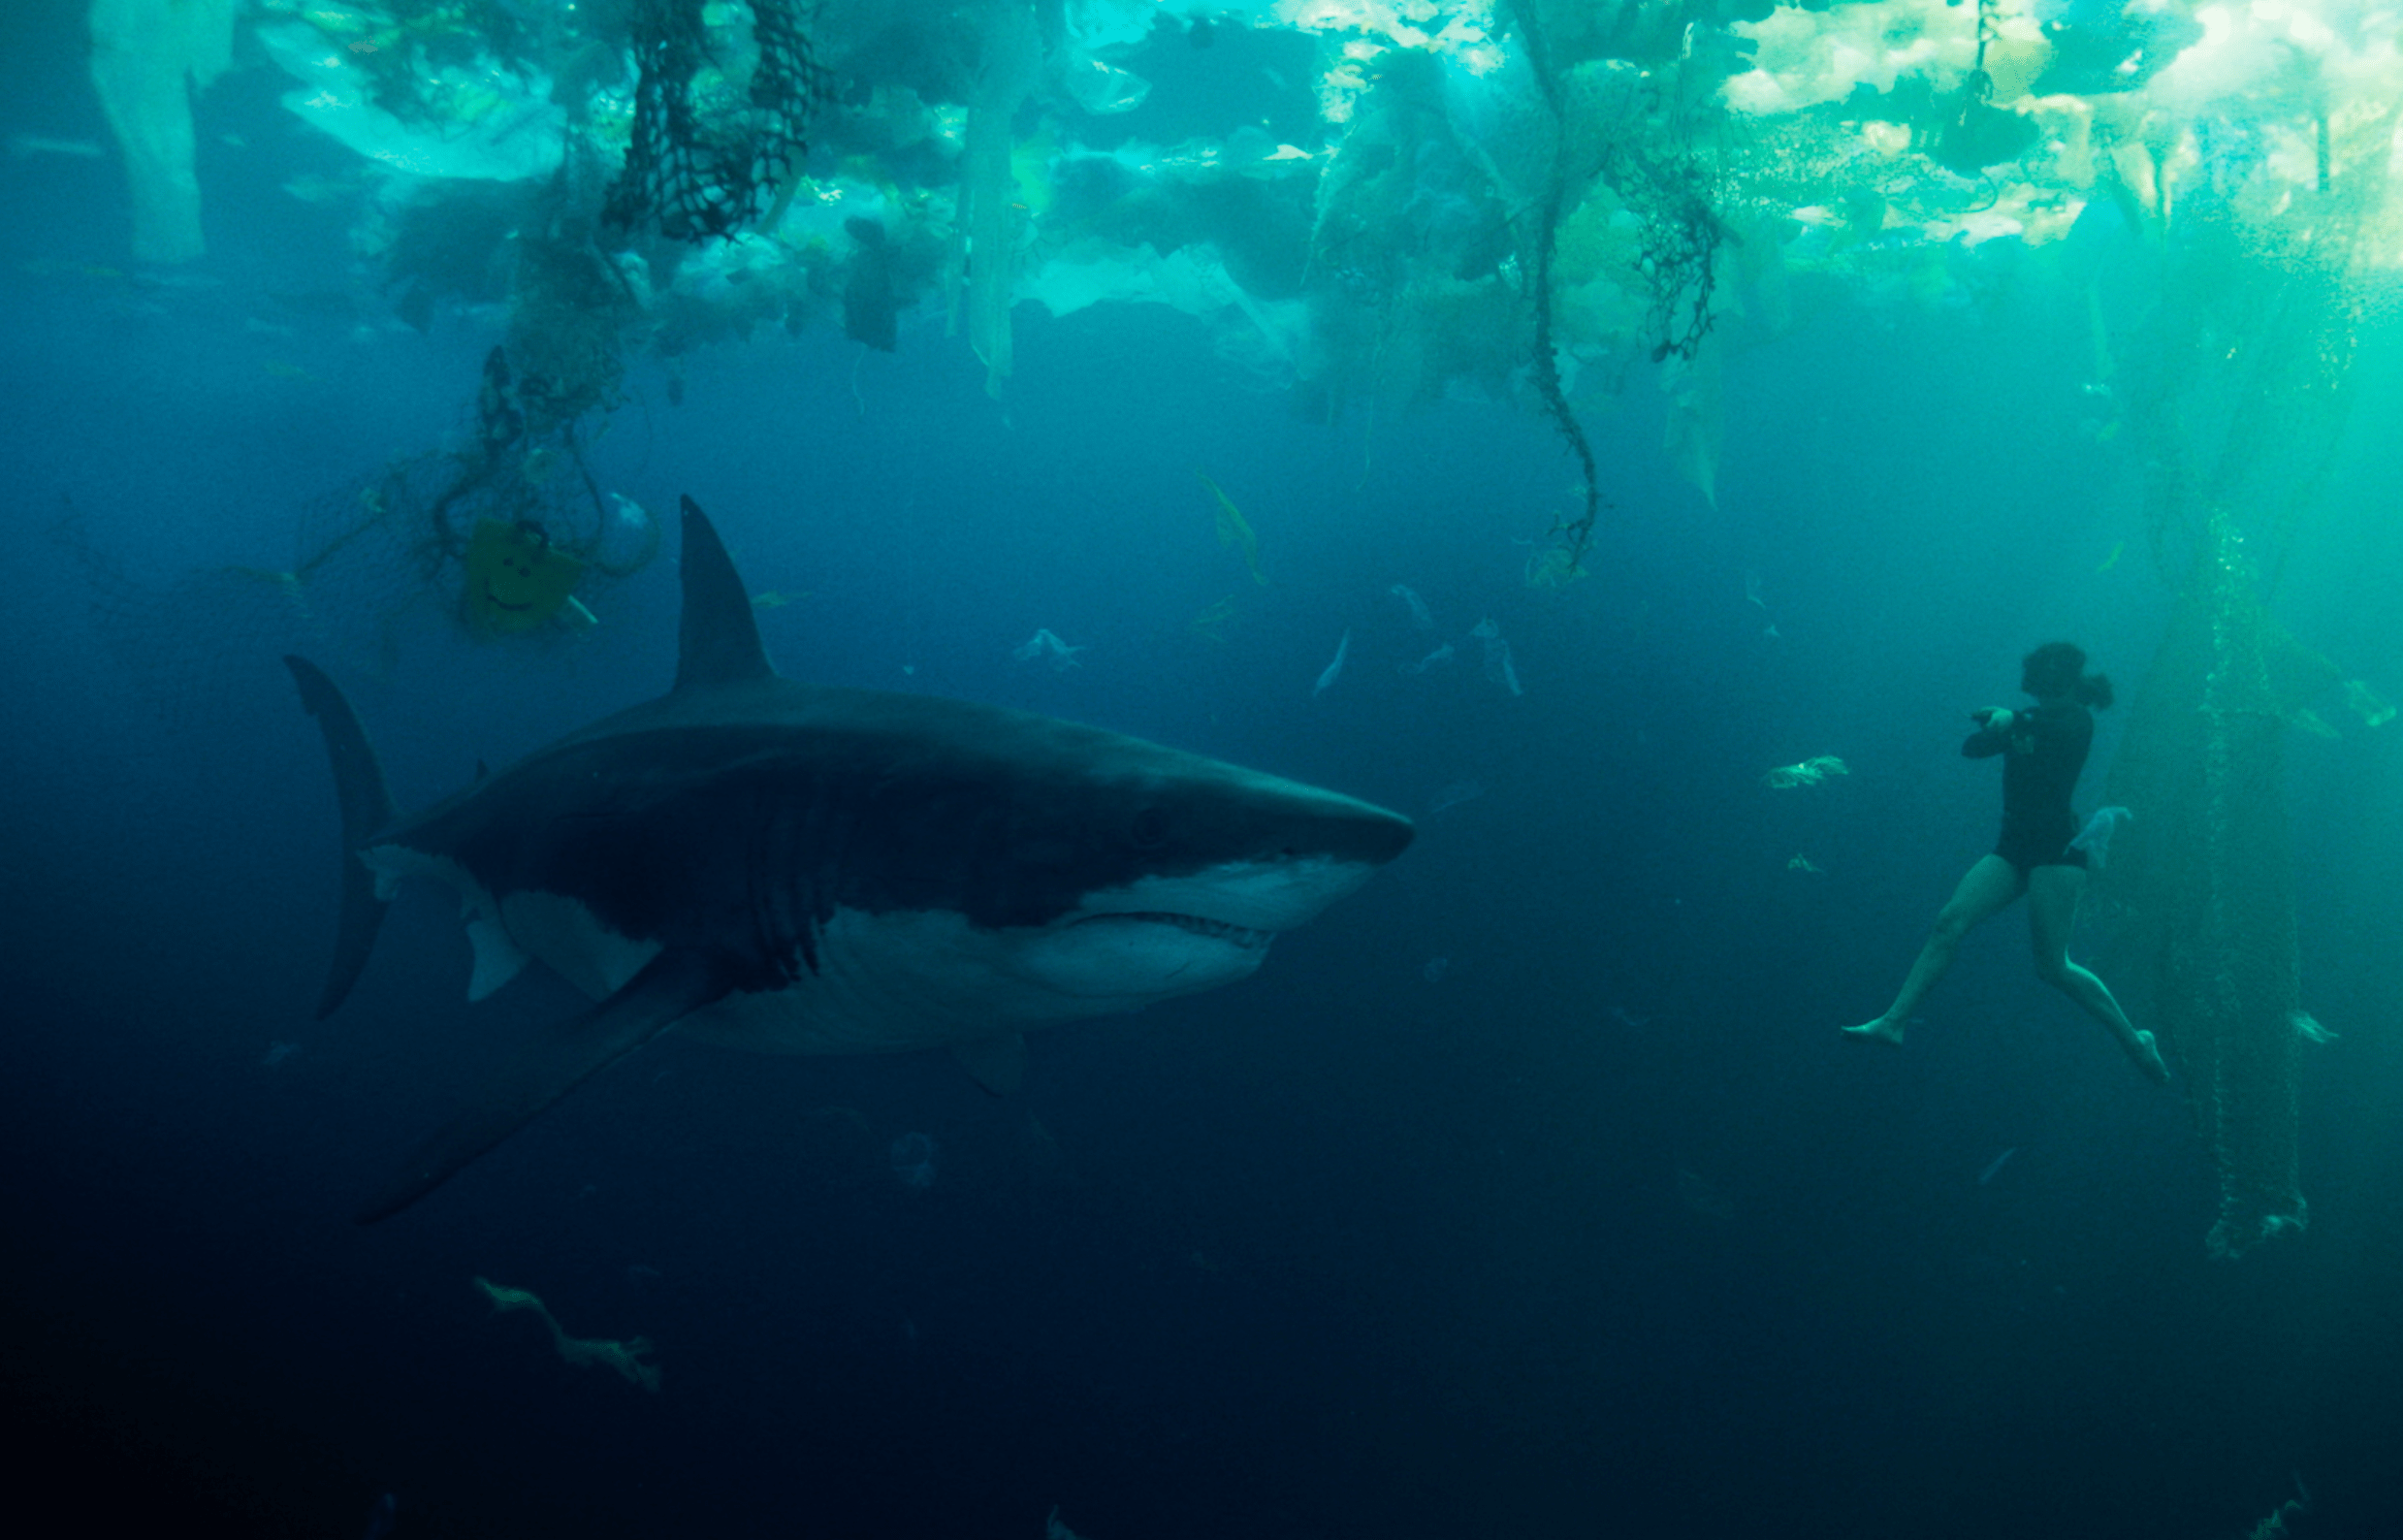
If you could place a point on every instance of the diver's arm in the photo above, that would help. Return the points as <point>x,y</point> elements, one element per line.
<point>1993,734</point>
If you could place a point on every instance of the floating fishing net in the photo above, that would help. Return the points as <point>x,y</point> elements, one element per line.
<point>710,152</point>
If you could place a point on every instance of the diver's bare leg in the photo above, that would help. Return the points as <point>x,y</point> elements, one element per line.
<point>2053,894</point>
<point>1984,890</point>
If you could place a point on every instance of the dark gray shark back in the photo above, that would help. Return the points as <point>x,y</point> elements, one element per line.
<point>724,817</point>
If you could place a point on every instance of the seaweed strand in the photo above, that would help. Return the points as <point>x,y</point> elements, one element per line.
<point>1575,535</point>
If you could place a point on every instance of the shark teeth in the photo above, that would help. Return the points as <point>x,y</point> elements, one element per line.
<point>1242,935</point>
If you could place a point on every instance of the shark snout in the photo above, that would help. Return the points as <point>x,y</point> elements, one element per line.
<point>1332,826</point>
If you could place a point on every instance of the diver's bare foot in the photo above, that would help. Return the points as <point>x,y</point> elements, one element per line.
<point>2142,1049</point>
<point>1882,1028</point>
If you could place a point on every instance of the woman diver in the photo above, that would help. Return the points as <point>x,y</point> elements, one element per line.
<point>2044,749</point>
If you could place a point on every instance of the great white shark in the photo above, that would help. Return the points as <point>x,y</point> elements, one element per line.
<point>789,868</point>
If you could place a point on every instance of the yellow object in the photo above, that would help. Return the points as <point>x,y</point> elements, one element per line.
<point>626,1358</point>
<point>1234,532</point>
<point>148,56</point>
<point>516,577</point>
<point>1553,566</point>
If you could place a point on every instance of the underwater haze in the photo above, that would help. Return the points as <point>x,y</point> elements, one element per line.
<point>1530,1190</point>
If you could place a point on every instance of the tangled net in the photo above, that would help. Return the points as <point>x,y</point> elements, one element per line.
<point>708,159</point>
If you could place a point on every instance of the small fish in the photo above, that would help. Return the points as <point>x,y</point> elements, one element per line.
<point>1419,614</point>
<point>773,600</point>
<point>1452,795</point>
<point>315,188</point>
<point>1044,645</point>
<point>913,1160</point>
<point>1802,863</point>
<point>1435,969</point>
<point>2095,839</point>
<point>1441,654</point>
<point>2374,709</point>
<point>2112,560</point>
<point>1498,666</point>
<point>1996,1165</point>
<point>276,1053</point>
<point>1702,1197</point>
<point>1213,622</point>
<point>1234,532</point>
<point>24,146</point>
<point>1334,670</point>
<point>1808,773</point>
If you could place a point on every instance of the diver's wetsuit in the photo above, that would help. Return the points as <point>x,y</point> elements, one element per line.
<point>2043,750</point>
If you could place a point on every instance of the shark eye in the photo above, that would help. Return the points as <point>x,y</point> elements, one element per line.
<point>1149,830</point>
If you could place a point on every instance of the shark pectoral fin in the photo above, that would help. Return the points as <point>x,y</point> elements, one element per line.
<point>367,807</point>
<point>670,987</point>
<point>998,1064</point>
<point>498,958</point>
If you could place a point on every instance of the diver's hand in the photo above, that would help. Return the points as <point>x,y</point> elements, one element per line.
<point>1994,719</point>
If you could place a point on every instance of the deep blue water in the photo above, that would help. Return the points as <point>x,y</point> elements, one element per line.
<point>1601,1231</point>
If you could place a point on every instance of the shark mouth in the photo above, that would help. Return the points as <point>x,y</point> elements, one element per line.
<point>1242,936</point>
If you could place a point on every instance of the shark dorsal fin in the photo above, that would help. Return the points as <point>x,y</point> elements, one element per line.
<point>719,643</point>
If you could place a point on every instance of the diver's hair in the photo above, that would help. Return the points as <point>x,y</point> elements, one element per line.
<point>2059,668</point>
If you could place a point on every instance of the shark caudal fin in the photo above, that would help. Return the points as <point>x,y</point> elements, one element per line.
<point>717,642</point>
<point>672,987</point>
<point>367,807</point>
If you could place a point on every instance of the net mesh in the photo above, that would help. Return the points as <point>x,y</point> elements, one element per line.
<point>708,156</point>
<point>2240,402</point>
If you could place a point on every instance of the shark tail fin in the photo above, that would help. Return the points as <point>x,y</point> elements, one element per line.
<point>670,987</point>
<point>367,807</point>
